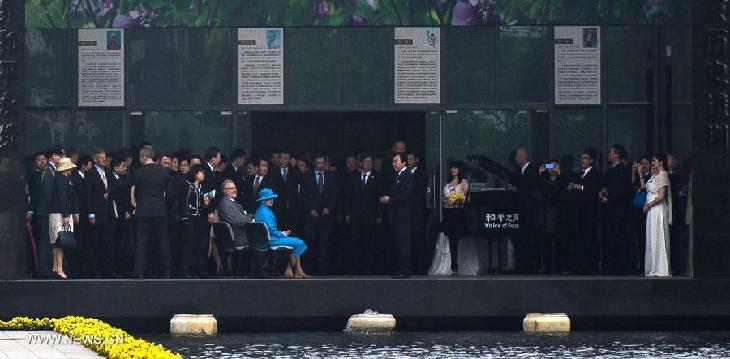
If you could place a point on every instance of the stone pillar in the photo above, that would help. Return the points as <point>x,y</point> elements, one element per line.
<point>14,260</point>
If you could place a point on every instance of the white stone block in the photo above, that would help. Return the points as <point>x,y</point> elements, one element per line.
<point>203,325</point>
<point>546,323</point>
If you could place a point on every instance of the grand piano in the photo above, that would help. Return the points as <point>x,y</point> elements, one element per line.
<point>501,206</point>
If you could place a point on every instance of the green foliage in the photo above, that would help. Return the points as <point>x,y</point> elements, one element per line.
<point>252,13</point>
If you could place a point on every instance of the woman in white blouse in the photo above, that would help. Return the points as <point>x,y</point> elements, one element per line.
<point>656,260</point>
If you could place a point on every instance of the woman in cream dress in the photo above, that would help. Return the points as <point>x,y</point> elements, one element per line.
<point>656,260</point>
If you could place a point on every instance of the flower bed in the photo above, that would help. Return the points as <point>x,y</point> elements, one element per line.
<point>94,334</point>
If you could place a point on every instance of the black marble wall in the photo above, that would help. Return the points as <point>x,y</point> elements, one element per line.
<point>711,127</point>
<point>13,256</point>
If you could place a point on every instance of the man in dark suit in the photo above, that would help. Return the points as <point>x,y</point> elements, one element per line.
<point>287,184</point>
<point>618,252</point>
<point>45,200</point>
<point>399,202</point>
<point>526,245</point>
<point>236,170</point>
<point>82,263</point>
<point>119,191</point>
<point>150,185</point>
<point>254,184</point>
<point>320,198</point>
<point>421,255</point>
<point>213,177</point>
<point>586,189</point>
<point>101,216</point>
<point>363,212</point>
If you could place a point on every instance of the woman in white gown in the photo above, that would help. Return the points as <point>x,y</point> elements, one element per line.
<point>656,260</point>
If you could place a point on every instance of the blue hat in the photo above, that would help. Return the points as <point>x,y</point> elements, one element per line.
<point>265,194</point>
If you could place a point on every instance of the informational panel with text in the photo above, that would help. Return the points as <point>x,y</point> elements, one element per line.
<point>577,65</point>
<point>417,73</point>
<point>101,67</point>
<point>261,66</point>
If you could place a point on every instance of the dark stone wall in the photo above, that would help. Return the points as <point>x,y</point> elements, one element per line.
<point>13,240</point>
<point>711,163</point>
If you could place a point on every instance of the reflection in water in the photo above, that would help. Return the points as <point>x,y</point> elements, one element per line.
<point>454,345</point>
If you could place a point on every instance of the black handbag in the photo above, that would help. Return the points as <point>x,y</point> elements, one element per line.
<point>66,238</point>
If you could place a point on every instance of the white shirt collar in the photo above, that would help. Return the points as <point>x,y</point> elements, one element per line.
<point>401,171</point>
<point>210,166</point>
<point>81,173</point>
<point>585,171</point>
<point>524,167</point>
<point>413,170</point>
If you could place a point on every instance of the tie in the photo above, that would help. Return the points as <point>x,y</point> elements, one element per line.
<point>320,182</point>
<point>284,173</point>
<point>256,183</point>
<point>103,179</point>
<point>364,179</point>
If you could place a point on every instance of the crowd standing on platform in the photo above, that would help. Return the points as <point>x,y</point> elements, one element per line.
<point>628,219</point>
<point>141,214</point>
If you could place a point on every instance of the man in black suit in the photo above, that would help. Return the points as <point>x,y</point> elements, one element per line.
<point>101,216</point>
<point>236,170</point>
<point>119,191</point>
<point>82,263</point>
<point>421,255</point>
<point>618,252</point>
<point>399,202</point>
<point>320,198</point>
<point>254,184</point>
<point>586,189</point>
<point>213,178</point>
<point>150,185</point>
<point>363,212</point>
<point>42,201</point>
<point>526,245</point>
<point>287,184</point>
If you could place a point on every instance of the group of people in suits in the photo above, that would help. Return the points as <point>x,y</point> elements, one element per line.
<point>583,222</point>
<point>141,214</point>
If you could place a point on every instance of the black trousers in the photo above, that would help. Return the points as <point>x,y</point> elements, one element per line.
<point>194,245</point>
<point>123,246</point>
<point>152,231</point>
<point>318,232</point>
<point>45,253</point>
<point>400,232</point>
<point>454,224</point>
<point>421,258</point>
<point>104,247</point>
<point>362,234</point>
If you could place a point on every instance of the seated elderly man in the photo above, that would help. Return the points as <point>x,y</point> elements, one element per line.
<point>230,211</point>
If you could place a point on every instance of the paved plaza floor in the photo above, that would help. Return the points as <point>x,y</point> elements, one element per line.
<point>41,344</point>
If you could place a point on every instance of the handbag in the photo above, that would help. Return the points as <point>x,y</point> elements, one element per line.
<point>640,199</point>
<point>66,238</point>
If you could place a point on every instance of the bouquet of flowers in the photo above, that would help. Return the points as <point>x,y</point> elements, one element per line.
<point>456,197</point>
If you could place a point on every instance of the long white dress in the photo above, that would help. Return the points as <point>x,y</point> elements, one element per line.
<point>656,260</point>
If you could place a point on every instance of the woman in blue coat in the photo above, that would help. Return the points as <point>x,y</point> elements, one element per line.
<point>265,215</point>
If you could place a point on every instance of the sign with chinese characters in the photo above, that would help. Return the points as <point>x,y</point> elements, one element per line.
<point>101,67</point>
<point>577,65</point>
<point>261,66</point>
<point>417,72</point>
<point>501,221</point>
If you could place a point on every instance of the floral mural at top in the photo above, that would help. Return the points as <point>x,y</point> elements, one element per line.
<point>254,13</point>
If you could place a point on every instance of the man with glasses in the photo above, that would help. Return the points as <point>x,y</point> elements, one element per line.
<point>231,212</point>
